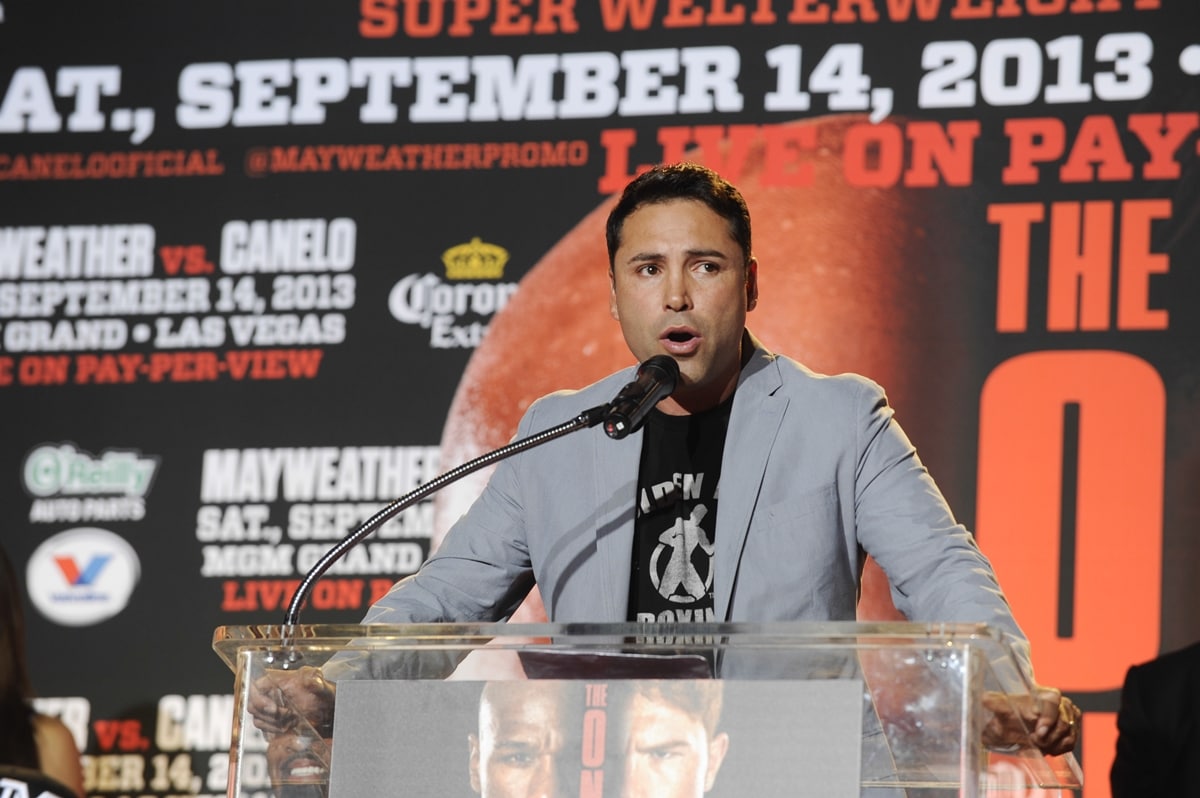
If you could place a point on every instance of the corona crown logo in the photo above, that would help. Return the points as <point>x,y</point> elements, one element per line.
<point>475,260</point>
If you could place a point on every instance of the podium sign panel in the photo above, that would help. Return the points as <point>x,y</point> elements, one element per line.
<point>598,737</point>
<point>833,710</point>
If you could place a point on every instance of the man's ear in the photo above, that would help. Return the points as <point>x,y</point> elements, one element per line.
<point>473,767</point>
<point>717,748</point>
<point>751,283</point>
<point>612,295</point>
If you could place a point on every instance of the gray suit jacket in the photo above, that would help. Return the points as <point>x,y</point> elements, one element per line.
<point>816,473</point>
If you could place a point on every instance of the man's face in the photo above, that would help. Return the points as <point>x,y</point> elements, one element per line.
<point>521,750</point>
<point>680,287</point>
<point>669,753</point>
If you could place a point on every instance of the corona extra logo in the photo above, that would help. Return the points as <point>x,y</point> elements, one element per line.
<point>456,309</point>
<point>475,260</point>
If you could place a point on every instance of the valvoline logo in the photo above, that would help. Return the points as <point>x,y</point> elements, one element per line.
<point>82,576</point>
<point>78,577</point>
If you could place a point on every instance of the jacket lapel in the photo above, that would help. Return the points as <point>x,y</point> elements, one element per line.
<point>616,469</point>
<point>753,427</point>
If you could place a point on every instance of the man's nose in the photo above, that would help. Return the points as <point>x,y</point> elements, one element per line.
<point>677,292</point>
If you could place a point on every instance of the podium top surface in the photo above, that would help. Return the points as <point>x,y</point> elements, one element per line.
<point>230,641</point>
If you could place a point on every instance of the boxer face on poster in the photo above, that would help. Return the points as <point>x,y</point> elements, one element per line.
<point>681,285</point>
<point>660,740</point>
<point>672,748</point>
<point>528,741</point>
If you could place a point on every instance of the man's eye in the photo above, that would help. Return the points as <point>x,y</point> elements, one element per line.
<point>518,759</point>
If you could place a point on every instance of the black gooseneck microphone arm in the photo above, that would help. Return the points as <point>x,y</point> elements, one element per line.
<point>588,418</point>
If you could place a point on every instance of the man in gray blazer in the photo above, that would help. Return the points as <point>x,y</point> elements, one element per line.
<point>814,473</point>
<point>753,492</point>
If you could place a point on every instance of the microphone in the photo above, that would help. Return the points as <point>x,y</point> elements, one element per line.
<point>655,380</point>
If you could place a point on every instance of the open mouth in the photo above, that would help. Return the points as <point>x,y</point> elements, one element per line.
<point>680,340</point>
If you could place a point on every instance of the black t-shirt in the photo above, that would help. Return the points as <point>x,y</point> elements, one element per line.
<point>675,530</point>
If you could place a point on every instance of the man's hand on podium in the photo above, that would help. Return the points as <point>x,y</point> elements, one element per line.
<point>1046,720</point>
<point>286,701</point>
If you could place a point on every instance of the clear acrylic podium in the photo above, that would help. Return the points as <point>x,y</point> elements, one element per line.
<point>904,706</point>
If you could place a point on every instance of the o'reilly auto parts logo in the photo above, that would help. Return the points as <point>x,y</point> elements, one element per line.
<point>69,484</point>
<point>455,310</point>
<point>82,576</point>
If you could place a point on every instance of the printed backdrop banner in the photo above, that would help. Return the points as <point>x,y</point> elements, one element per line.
<point>249,253</point>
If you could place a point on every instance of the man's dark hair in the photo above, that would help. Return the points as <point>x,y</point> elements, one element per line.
<point>681,181</point>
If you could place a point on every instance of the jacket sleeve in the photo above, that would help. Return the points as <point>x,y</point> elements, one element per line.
<point>482,571</point>
<point>933,564</point>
